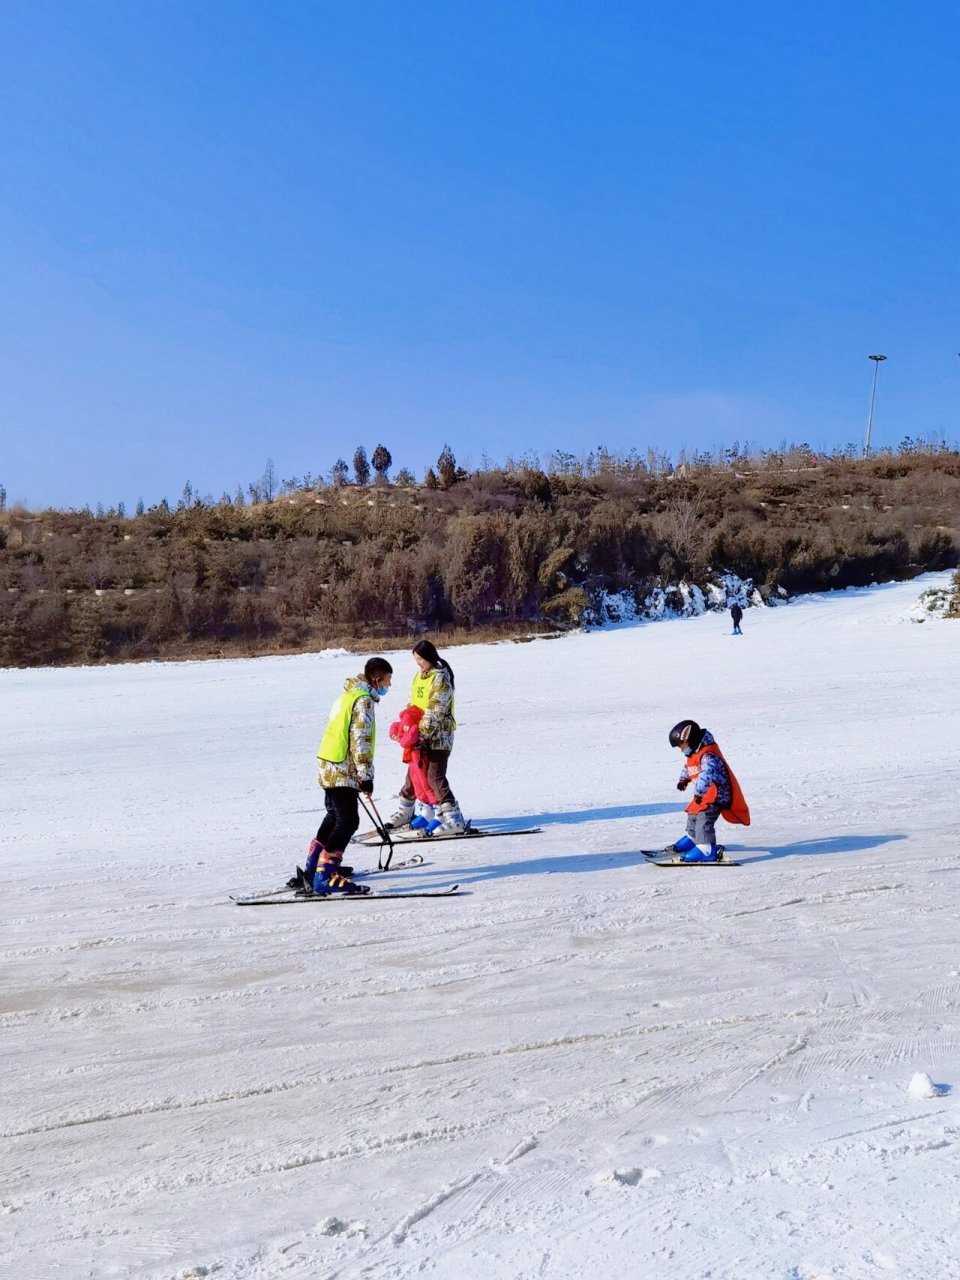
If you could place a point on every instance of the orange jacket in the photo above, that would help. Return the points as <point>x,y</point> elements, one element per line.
<point>737,811</point>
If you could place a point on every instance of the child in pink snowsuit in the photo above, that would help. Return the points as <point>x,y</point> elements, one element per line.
<point>406,731</point>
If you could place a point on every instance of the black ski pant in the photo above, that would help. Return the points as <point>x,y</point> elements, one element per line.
<point>342,819</point>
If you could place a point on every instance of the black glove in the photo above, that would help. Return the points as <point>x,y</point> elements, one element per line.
<point>366,786</point>
<point>683,784</point>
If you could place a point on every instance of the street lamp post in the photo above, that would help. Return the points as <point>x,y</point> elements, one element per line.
<point>873,395</point>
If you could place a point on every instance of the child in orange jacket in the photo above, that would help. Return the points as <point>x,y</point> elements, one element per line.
<point>716,792</point>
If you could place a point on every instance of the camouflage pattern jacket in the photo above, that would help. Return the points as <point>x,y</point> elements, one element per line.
<point>358,765</point>
<point>713,771</point>
<point>433,692</point>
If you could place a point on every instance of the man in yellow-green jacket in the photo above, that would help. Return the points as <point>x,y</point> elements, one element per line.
<point>345,769</point>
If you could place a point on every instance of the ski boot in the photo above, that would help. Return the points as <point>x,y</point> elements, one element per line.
<point>400,821</point>
<point>451,819</point>
<point>426,819</point>
<point>332,877</point>
<point>700,853</point>
<point>302,882</point>
<point>682,846</point>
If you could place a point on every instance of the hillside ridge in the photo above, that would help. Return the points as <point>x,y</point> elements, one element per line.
<point>503,551</point>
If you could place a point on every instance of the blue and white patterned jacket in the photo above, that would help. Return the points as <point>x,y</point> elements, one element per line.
<point>712,772</point>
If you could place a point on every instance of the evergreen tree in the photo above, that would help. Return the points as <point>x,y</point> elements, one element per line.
<point>361,467</point>
<point>405,477</point>
<point>268,482</point>
<point>430,479</point>
<point>382,461</point>
<point>140,507</point>
<point>447,467</point>
<point>339,472</point>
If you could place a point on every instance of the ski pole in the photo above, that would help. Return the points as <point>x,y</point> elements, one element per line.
<point>381,830</point>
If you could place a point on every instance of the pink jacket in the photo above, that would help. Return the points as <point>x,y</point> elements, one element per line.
<point>406,731</point>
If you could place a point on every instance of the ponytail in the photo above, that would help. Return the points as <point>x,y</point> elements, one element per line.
<point>427,650</point>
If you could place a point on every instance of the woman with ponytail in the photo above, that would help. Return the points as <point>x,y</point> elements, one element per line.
<point>432,693</point>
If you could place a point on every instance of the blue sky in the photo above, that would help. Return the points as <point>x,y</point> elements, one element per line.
<point>233,231</point>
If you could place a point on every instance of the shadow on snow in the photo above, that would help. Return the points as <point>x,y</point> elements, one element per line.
<point>814,848</point>
<point>573,816</point>
<point>574,863</point>
<point>564,864</point>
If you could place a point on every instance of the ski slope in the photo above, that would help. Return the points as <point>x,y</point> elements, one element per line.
<point>581,1066</point>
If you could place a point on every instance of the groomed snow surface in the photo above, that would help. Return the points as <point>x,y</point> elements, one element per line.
<point>583,1066</point>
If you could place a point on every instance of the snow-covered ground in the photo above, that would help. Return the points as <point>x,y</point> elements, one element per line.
<point>583,1066</point>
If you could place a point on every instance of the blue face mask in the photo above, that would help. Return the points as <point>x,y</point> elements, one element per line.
<point>382,693</point>
<point>687,751</point>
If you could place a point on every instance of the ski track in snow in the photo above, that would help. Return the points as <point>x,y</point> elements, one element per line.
<point>575,1069</point>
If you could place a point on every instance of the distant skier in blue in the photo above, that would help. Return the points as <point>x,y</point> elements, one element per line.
<point>716,793</point>
<point>736,613</point>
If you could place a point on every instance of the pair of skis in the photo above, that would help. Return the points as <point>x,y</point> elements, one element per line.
<point>291,897</point>
<point>386,837</point>
<point>374,838</point>
<point>656,859</point>
<point>294,891</point>
<point>381,836</point>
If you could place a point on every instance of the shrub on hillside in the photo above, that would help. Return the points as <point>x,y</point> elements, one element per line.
<point>518,543</point>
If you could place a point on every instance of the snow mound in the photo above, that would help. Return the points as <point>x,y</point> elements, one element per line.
<point>921,1086</point>
<point>931,604</point>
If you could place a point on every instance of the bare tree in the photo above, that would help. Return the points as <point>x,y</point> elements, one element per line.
<point>683,528</point>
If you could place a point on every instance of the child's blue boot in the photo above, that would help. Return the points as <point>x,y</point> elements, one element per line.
<point>683,845</point>
<point>426,820</point>
<point>701,853</point>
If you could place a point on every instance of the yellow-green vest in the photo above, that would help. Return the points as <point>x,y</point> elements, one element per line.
<point>420,693</point>
<point>336,739</point>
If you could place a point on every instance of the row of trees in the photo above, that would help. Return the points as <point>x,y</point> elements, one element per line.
<point>504,547</point>
<point>595,463</point>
